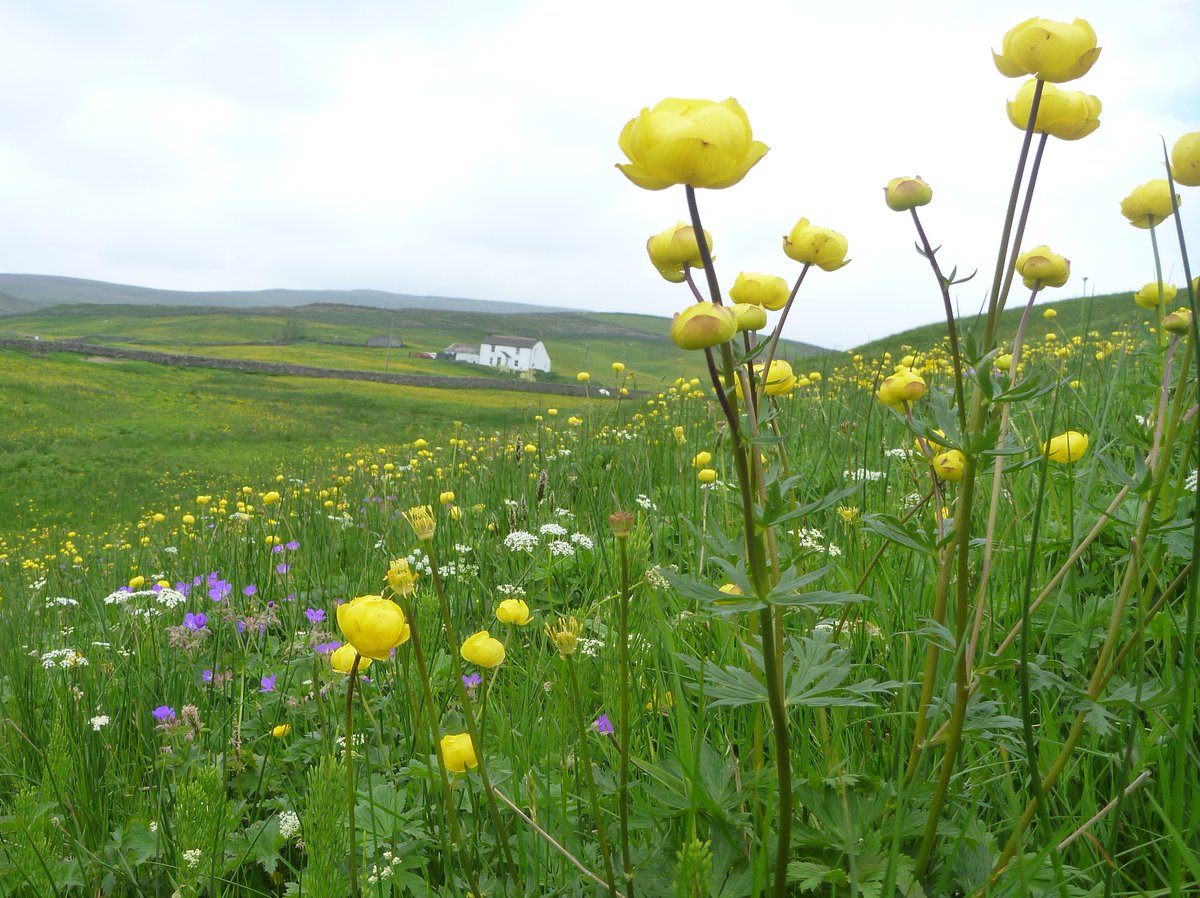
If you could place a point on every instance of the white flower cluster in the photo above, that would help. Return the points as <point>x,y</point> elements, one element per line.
<point>192,856</point>
<point>1190,482</point>
<point>61,602</point>
<point>561,548</point>
<point>644,501</point>
<point>589,647</point>
<point>552,530</point>
<point>64,658</point>
<point>583,541</point>
<point>289,824</point>
<point>520,541</point>
<point>811,538</point>
<point>898,452</point>
<point>99,721</point>
<point>170,598</point>
<point>511,591</point>
<point>564,513</point>
<point>862,474</point>
<point>384,871</point>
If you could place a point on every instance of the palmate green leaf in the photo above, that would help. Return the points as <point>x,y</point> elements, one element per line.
<point>816,672</point>
<point>810,876</point>
<point>717,602</point>
<point>829,499</point>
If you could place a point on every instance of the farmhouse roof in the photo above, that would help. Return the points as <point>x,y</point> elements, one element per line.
<point>461,347</point>
<point>515,342</point>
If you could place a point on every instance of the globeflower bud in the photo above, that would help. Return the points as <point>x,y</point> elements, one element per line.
<point>621,524</point>
<point>948,465</point>
<point>1048,50</point>
<point>1150,298</point>
<point>701,459</point>
<point>1040,268</point>
<point>1185,160</point>
<point>902,194</point>
<point>1178,322</point>
<point>812,245</point>
<point>1149,204</point>
<point>1066,447</point>
<point>703,325</point>
<point>1004,362</point>
<point>458,752</point>
<point>342,659</point>
<point>748,317</point>
<point>1067,115</point>
<point>676,249</point>
<point>764,290</point>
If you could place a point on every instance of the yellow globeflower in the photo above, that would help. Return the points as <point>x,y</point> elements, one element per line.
<point>513,611</point>
<point>458,752</point>
<point>749,317</point>
<point>1149,204</point>
<point>902,194</point>
<point>701,459</point>
<point>1178,322</point>
<point>482,649</point>
<point>420,518</point>
<point>373,625</point>
<point>900,388</point>
<point>764,290</point>
<point>342,659</point>
<point>1051,51</point>
<point>281,730</point>
<point>1185,160</point>
<point>1066,447</point>
<point>695,142</point>
<point>618,367</point>
<point>270,498</point>
<point>1065,114</point>
<point>1039,267</point>
<point>1149,297</point>
<point>1049,314</point>
<point>706,475</point>
<point>137,582</point>
<point>948,465</point>
<point>583,377</point>
<point>812,245</point>
<point>703,325</point>
<point>675,250</point>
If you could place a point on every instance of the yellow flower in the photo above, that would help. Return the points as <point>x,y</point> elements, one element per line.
<point>482,649</point>
<point>1065,114</point>
<point>900,388</point>
<point>342,659</point>
<point>281,730</point>
<point>1149,297</point>
<point>420,518</point>
<point>1185,160</point>
<point>270,498</point>
<point>702,325</point>
<point>902,194</point>
<point>137,582</point>
<point>513,611</point>
<point>695,142</point>
<point>812,245</point>
<point>1050,313</point>
<point>1149,204</point>
<point>618,367</point>
<point>458,752</point>
<point>675,250</point>
<point>583,377</point>
<point>1051,51</point>
<point>749,317</point>
<point>400,577</point>
<point>948,465</point>
<point>764,290</point>
<point>446,498</point>
<point>203,500</point>
<point>848,513</point>
<point>1004,362</point>
<point>701,459</point>
<point>373,625</point>
<point>1066,447</point>
<point>565,635</point>
<point>706,475</point>
<point>1040,268</point>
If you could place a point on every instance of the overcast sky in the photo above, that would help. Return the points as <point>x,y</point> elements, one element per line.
<point>467,148</point>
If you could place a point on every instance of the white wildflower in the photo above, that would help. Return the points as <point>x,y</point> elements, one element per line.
<point>192,856</point>
<point>61,602</point>
<point>100,720</point>
<point>552,530</point>
<point>511,591</point>
<point>862,474</point>
<point>289,824</point>
<point>582,540</point>
<point>520,541</point>
<point>644,501</point>
<point>170,598</point>
<point>562,548</point>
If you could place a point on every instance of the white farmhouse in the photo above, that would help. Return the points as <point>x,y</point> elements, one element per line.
<point>461,352</point>
<point>509,353</point>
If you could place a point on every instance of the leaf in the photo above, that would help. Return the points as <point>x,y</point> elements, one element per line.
<point>890,528</point>
<point>718,602</point>
<point>731,687</point>
<point>821,504</point>
<point>816,673</point>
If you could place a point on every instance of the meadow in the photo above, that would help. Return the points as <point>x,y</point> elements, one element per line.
<point>917,620</point>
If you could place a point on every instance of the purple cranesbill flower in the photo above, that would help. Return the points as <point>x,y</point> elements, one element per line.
<point>603,725</point>
<point>195,621</point>
<point>241,626</point>
<point>315,615</point>
<point>327,648</point>
<point>156,588</point>
<point>206,676</point>
<point>250,590</point>
<point>183,588</point>
<point>276,550</point>
<point>197,580</point>
<point>292,545</point>
<point>164,712</point>
<point>471,680</point>
<point>267,684</point>
<point>281,568</point>
<point>219,589</point>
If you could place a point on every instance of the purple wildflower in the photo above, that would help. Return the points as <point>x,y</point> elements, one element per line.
<point>281,568</point>
<point>206,676</point>
<point>327,648</point>
<point>267,684</point>
<point>292,545</point>
<point>276,550</point>
<point>195,621</point>
<point>603,725</point>
<point>315,615</point>
<point>250,590</point>
<point>164,712</point>
<point>471,680</point>
<point>219,589</point>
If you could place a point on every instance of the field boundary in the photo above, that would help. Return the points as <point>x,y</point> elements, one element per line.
<point>278,369</point>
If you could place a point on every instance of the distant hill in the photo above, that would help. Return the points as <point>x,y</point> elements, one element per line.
<point>20,293</point>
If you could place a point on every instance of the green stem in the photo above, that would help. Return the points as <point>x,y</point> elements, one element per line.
<point>623,723</point>
<point>351,796</point>
<point>468,713</point>
<point>952,329</point>
<point>585,758</point>
<point>1159,332</point>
